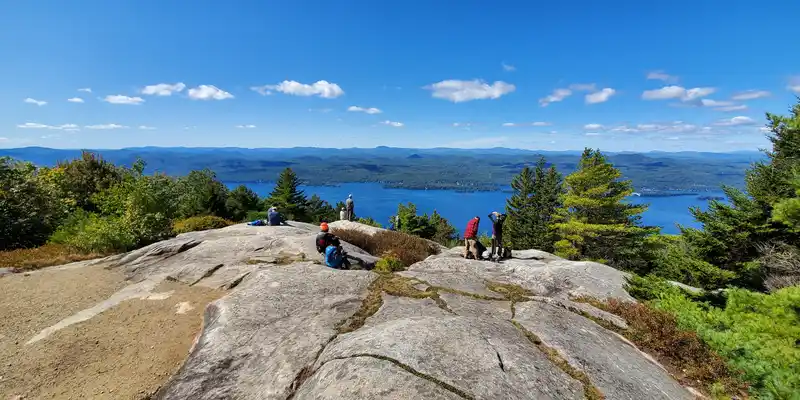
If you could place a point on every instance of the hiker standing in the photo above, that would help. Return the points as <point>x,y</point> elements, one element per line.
<point>471,238</point>
<point>350,207</point>
<point>342,214</point>
<point>497,232</point>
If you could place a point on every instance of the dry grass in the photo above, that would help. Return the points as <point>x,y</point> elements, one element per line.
<point>691,361</point>
<point>42,256</point>
<point>406,248</point>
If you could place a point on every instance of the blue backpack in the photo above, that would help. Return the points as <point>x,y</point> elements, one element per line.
<point>333,257</point>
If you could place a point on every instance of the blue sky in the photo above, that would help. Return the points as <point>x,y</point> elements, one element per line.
<point>618,75</point>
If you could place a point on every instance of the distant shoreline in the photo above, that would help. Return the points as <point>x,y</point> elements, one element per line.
<point>708,194</point>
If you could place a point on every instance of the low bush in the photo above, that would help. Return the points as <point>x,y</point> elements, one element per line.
<point>200,223</point>
<point>254,215</point>
<point>657,332</point>
<point>671,258</point>
<point>91,233</point>
<point>389,263</point>
<point>44,256</point>
<point>406,248</point>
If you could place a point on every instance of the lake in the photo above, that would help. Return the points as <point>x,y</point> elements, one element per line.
<point>373,200</point>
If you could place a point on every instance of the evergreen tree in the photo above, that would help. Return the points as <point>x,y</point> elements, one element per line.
<point>734,234</point>
<point>445,232</point>
<point>240,201</point>
<point>290,200</point>
<point>530,209</point>
<point>319,210</point>
<point>594,222</point>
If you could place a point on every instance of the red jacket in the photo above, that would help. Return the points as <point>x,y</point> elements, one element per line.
<point>472,229</point>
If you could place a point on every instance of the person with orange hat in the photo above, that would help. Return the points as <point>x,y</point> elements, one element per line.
<point>331,248</point>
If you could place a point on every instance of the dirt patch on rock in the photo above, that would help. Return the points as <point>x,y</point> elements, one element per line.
<point>126,352</point>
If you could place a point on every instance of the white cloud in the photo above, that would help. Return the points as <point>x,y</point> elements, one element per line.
<point>677,92</point>
<point>675,127</point>
<point>541,123</point>
<point>537,123</point>
<point>674,138</point>
<point>592,133</point>
<point>121,99</point>
<point>34,101</point>
<point>370,110</point>
<point>106,126</point>
<point>736,121</point>
<point>715,103</point>
<point>509,68</point>
<point>163,89</point>
<point>592,127</point>
<point>557,95</point>
<point>3,139</point>
<point>462,124</point>
<point>794,84</point>
<point>245,126</point>
<point>208,92</point>
<point>460,91</point>
<point>583,87</point>
<point>510,124</point>
<point>87,90</point>
<point>661,76</point>
<point>600,96</point>
<point>739,107</point>
<point>393,123</point>
<point>34,125</point>
<point>324,89</point>
<point>750,95</point>
<point>75,100</point>
<point>146,128</point>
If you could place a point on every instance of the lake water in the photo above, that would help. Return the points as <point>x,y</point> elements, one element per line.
<point>373,200</point>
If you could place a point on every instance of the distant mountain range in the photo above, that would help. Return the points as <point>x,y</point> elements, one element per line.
<point>433,168</point>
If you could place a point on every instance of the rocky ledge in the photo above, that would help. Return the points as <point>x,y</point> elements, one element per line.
<point>447,328</point>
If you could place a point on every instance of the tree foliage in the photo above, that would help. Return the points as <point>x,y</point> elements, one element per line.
<point>433,227</point>
<point>530,209</point>
<point>240,201</point>
<point>595,222</point>
<point>290,200</point>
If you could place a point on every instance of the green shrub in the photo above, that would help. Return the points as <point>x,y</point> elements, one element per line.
<point>757,333</point>
<point>408,249</point>
<point>389,263</point>
<point>254,215</point>
<point>671,259</point>
<point>91,233</point>
<point>201,223</point>
<point>369,221</point>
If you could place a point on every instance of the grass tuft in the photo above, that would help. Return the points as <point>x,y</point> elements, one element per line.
<point>43,256</point>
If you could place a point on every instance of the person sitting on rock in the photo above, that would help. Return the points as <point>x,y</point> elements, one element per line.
<point>471,239</point>
<point>342,214</point>
<point>324,240</point>
<point>497,233</point>
<point>274,218</point>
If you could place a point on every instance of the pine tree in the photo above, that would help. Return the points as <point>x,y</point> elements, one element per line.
<point>290,200</point>
<point>531,208</point>
<point>594,222</point>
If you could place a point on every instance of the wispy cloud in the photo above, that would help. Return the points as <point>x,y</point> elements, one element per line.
<point>34,101</point>
<point>592,133</point>
<point>245,126</point>
<point>794,84</point>
<point>75,100</point>
<point>146,128</point>
<point>163,89</point>
<point>106,126</point>
<point>208,92</point>
<point>537,123</point>
<point>600,96</point>
<point>86,89</point>
<point>736,121</point>
<point>592,127</point>
<point>461,91</point>
<point>368,110</point>
<point>323,89</point>
<point>509,67</point>
<point>122,99</point>
<point>393,123</point>
<point>556,96</point>
<point>662,76</point>
<point>677,92</point>
<point>750,95</point>
<point>35,125</point>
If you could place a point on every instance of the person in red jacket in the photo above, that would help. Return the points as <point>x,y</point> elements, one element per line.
<point>471,238</point>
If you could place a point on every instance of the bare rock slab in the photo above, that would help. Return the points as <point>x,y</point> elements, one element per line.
<point>616,367</point>
<point>256,341</point>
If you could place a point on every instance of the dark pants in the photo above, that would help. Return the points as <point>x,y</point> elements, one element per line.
<point>349,214</point>
<point>497,242</point>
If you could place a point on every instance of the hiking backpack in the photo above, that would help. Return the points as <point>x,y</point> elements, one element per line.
<point>333,257</point>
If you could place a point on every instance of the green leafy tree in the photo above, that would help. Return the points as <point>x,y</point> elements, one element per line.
<point>594,222</point>
<point>445,232</point>
<point>241,200</point>
<point>531,208</point>
<point>412,223</point>
<point>28,211</point>
<point>319,210</point>
<point>200,193</point>
<point>85,176</point>
<point>290,200</point>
